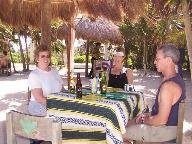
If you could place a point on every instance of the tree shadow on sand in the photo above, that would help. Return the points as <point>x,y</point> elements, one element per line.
<point>15,101</point>
<point>15,76</point>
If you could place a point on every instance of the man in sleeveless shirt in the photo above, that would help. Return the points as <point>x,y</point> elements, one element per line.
<point>161,124</point>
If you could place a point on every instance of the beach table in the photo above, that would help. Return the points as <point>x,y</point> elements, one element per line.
<point>94,118</point>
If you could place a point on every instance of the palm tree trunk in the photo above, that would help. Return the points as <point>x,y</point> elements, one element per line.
<point>126,55</point>
<point>27,52</point>
<point>22,54</point>
<point>12,60</point>
<point>144,56</point>
<point>62,58</point>
<point>87,58</point>
<point>188,31</point>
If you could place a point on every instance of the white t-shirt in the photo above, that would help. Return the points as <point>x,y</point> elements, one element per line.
<point>49,81</point>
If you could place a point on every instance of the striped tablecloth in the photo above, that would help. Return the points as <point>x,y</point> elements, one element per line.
<point>94,118</point>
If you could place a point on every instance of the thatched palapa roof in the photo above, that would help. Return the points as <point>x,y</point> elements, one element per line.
<point>100,30</point>
<point>20,12</point>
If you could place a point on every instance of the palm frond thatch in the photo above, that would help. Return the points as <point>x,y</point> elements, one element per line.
<point>100,30</point>
<point>110,9</point>
<point>133,8</point>
<point>27,12</point>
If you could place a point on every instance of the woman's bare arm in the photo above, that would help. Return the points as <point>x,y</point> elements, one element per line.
<point>129,76</point>
<point>38,94</point>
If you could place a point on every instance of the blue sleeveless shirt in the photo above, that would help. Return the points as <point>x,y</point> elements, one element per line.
<point>173,116</point>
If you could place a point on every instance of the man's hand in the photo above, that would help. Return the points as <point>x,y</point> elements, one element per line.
<point>139,118</point>
<point>142,118</point>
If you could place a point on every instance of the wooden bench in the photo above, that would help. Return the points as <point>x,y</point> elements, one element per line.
<point>38,128</point>
<point>32,127</point>
<point>180,122</point>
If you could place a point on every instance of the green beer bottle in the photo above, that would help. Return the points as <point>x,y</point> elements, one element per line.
<point>103,82</point>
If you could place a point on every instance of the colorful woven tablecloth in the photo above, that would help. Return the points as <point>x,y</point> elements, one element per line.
<point>94,118</point>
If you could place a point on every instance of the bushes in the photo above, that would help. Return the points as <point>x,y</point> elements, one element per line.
<point>16,57</point>
<point>55,59</point>
<point>81,59</point>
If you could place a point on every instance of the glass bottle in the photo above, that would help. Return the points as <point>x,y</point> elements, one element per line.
<point>103,83</point>
<point>98,90</point>
<point>78,86</point>
<point>72,85</point>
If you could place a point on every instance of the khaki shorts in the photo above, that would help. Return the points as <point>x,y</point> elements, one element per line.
<point>146,133</point>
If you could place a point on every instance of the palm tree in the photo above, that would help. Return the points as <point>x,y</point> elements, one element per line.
<point>22,53</point>
<point>7,33</point>
<point>186,6</point>
<point>24,31</point>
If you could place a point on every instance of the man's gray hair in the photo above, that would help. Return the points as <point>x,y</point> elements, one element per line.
<point>170,50</point>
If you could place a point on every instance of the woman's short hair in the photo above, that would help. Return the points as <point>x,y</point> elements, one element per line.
<point>41,48</point>
<point>170,50</point>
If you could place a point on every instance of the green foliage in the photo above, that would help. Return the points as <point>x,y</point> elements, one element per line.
<point>55,59</point>
<point>141,39</point>
<point>81,59</point>
<point>80,50</point>
<point>57,46</point>
<point>35,36</point>
<point>16,57</point>
<point>54,27</point>
<point>138,43</point>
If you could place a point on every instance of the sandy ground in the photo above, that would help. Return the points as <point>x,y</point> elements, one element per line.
<point>13,96</point>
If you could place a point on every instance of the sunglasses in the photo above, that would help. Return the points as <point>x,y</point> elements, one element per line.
<point>45,56</point>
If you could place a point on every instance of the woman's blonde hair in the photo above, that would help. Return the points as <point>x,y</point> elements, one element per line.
<point>121,50</point>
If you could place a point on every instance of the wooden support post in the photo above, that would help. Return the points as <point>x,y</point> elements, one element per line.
<point>70,51</point>
<point>180,123</point>
<point>45,22</point>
